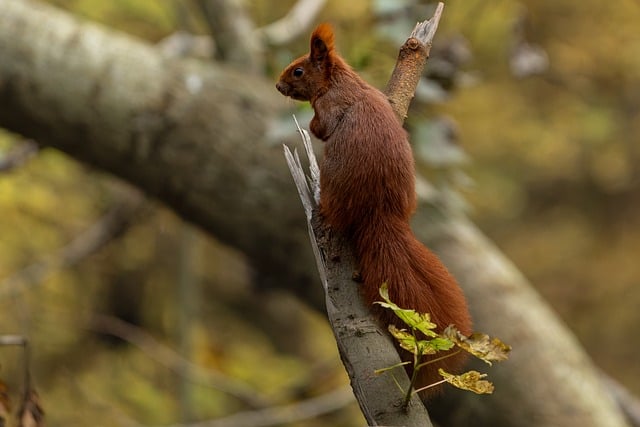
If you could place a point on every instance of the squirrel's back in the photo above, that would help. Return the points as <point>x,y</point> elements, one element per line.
<point>367,167</point>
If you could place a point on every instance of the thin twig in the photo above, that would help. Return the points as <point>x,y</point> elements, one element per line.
<point>172,360</point>
<point>107,228</point>
<point>99,405</point>
<point>281,415</point>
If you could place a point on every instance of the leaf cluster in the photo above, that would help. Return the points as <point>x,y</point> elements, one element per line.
<point>477,344</point>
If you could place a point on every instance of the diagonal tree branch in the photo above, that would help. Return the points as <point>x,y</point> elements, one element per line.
<point>284,414</point>
<point>364,347</point>
<point>172,360</point>
<point>454,238</point>
<point>112,225</point>
<point>268,413</point>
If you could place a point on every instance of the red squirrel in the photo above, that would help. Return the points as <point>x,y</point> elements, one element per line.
<point>367,192</point>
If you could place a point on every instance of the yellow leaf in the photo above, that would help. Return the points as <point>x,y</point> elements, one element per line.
<point>404,338</point>
<point>419,321</point>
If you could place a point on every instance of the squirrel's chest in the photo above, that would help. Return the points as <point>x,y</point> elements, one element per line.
<point>362,180</point>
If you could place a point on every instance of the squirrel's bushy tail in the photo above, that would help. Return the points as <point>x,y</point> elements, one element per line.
<point>388,252</point>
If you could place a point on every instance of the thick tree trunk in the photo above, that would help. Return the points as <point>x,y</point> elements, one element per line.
<point>193,136</point>
<point>548,380</point>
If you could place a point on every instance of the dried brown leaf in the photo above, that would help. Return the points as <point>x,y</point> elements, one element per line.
<point>472,381</point>
<point>480,345</point>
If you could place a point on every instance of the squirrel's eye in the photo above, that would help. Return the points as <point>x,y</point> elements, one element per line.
<point>298,72</point>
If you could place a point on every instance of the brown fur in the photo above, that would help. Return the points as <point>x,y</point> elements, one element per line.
<point>368,190</point>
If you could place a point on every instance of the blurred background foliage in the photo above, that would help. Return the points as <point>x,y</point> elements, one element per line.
<point>531,116</point>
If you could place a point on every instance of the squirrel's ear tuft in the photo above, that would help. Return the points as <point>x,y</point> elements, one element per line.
<point>324,32</point>
<point>321,42</point>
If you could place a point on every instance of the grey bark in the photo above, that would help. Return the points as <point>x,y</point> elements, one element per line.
<point>193,136</point>
<point>364,347</point>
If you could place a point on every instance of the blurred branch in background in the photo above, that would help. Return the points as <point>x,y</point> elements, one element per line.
<point>20,341</point>
<point>183,44</point>
<point>188,295</point>
<point>525,58</point>
<point>286,414</point>
<point>98,404</point>
<point>232,31</point>
<point>268,416</point>
<point>112,225</point>
<point>174,361</point>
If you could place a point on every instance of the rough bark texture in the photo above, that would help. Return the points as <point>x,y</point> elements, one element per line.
<point>363,345</point>
<point>194,137</point>
<point>412,58</point>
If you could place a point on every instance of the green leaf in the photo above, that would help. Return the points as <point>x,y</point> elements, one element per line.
<point>389,368</point>
<point>413,319</point>
<point>480,345</point>
<point>440,344</point>
<point>405,339</point>
<point>409,342</point>
<point>471,381</point>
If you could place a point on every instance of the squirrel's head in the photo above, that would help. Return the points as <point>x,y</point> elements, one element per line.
<point>308,77</point>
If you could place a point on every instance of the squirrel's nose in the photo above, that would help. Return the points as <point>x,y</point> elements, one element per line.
<point>282,87</point>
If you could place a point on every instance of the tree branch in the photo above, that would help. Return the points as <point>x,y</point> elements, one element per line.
<point>269,415</point>
<point>107,228</point>
<point>458,235</point>
<point>356,331</point>
<point>282,415</point>
<point>172,360</point>
<point>412,58</point>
